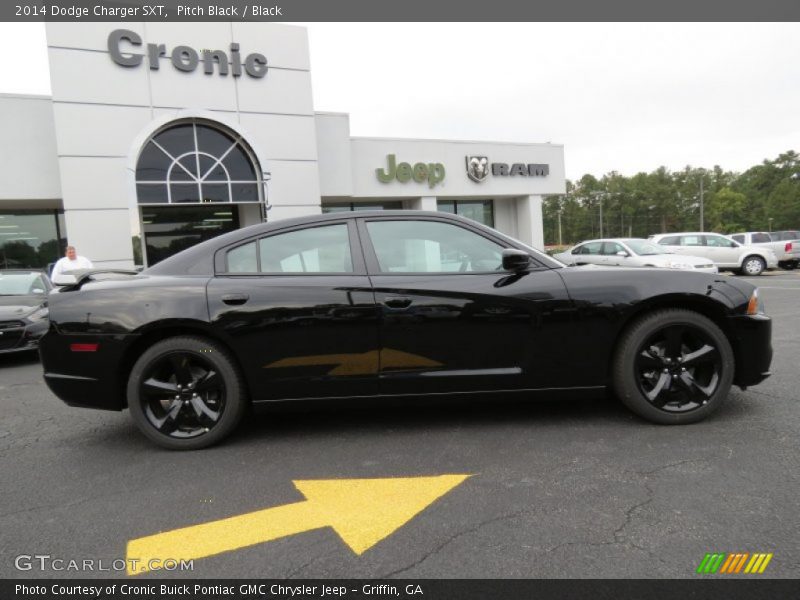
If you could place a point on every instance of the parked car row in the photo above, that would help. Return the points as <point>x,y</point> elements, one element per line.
<point>748,253</point>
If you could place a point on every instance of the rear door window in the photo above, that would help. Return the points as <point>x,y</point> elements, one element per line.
<point>692,240</point>
<point>592,248</point>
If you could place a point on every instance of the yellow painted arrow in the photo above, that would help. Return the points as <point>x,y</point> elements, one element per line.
<point>361,511</point>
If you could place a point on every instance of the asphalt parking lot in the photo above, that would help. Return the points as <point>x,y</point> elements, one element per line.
<point>556,488</point>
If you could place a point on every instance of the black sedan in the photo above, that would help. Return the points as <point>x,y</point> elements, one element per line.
<point>392,303</point>
<point>23,309</point>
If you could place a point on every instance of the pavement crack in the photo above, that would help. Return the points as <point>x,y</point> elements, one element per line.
<point>434,551</point>
<point>301,568</point>
<point>668,466</point>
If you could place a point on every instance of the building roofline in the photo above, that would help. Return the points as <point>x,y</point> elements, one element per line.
<point>444,141</point>
<point>26,96</point>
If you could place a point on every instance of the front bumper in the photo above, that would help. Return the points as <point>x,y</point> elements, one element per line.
<point>21,339</point>
<point>752,345</point>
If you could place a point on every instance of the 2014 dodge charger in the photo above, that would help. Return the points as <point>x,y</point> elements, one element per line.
<point>392,303</point>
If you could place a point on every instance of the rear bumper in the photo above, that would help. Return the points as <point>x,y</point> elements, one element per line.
<point>85,379</point>
<point>793,256</point>
<point>752,345</point>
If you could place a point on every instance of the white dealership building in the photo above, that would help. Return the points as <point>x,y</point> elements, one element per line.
<point>160,135</point>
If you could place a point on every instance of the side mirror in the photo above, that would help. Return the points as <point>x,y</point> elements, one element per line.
<point>515,260</point>
<point>623,253</point>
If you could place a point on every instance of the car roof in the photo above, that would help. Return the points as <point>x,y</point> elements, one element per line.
<point>194,260</point>
<point>623,240</point>
<point>690,233</point>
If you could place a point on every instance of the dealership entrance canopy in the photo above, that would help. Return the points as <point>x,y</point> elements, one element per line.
<point>161,135</point>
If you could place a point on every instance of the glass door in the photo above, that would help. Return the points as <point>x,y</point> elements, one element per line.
<point>170,229</point>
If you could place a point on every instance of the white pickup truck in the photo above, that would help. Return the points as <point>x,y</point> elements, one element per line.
<point>788,252</point>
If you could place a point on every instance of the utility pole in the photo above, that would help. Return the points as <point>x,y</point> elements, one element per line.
<point>560,208</point>
<point>601,215</point>
<point>702,219</point>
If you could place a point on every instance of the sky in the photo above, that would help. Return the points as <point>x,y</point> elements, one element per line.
<point>624,97</point>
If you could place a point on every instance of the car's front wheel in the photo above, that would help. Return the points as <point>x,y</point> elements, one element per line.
<point>673,367</point>
<point>186,393</point>
<point>753,265</point>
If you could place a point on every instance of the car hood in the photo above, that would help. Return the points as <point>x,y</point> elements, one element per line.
<point>621,285</point>
<point>17,307</point>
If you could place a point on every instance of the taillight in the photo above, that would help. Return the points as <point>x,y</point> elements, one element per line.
<point>787,247</point>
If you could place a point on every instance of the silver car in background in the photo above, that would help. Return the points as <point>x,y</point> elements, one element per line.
<point>632,252</point>
<point>726,253</point>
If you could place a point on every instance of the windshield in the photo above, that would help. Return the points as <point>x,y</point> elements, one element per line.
<point>20,284</point>
<point>644,248</point>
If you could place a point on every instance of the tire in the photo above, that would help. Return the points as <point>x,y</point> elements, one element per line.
<point>193,415</point>
<point>753,265</point>
<point>639,370</point>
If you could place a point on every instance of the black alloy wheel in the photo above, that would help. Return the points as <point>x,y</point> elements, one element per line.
<point>673,366</point>
<point>678,368</point>
<point>185,393</point>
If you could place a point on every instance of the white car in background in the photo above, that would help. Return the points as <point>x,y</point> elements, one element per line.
<point>726,253</point>
<point>631,252</point>
<point>786,248</point>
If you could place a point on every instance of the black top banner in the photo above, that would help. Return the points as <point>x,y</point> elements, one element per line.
<point>399,10</point>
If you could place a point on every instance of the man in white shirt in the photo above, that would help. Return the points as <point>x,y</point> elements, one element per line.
<point>70,262</point>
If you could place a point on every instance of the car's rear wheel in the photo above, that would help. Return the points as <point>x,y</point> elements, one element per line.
<point>753,265</point>
<point>186,393</point>
<point>673,367</point>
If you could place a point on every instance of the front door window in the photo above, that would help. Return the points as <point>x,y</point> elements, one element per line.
<point>411,246</point>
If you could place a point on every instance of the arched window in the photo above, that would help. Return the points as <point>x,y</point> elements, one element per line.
<point>197,161</point>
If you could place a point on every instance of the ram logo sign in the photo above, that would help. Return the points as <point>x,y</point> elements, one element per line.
<point>478,167</point>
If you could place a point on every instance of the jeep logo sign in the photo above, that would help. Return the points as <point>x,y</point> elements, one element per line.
<point>478,169</point>
<point>185,58</point>
<point>433,173</point>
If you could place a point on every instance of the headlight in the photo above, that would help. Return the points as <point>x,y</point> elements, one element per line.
<point>755,306</point>
<point>39,314</point>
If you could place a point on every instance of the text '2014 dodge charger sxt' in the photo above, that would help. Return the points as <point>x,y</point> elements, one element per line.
<point>391,303</point>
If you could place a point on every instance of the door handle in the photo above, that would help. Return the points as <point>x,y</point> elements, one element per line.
<point>398,302</point>
<point>235,299</point>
